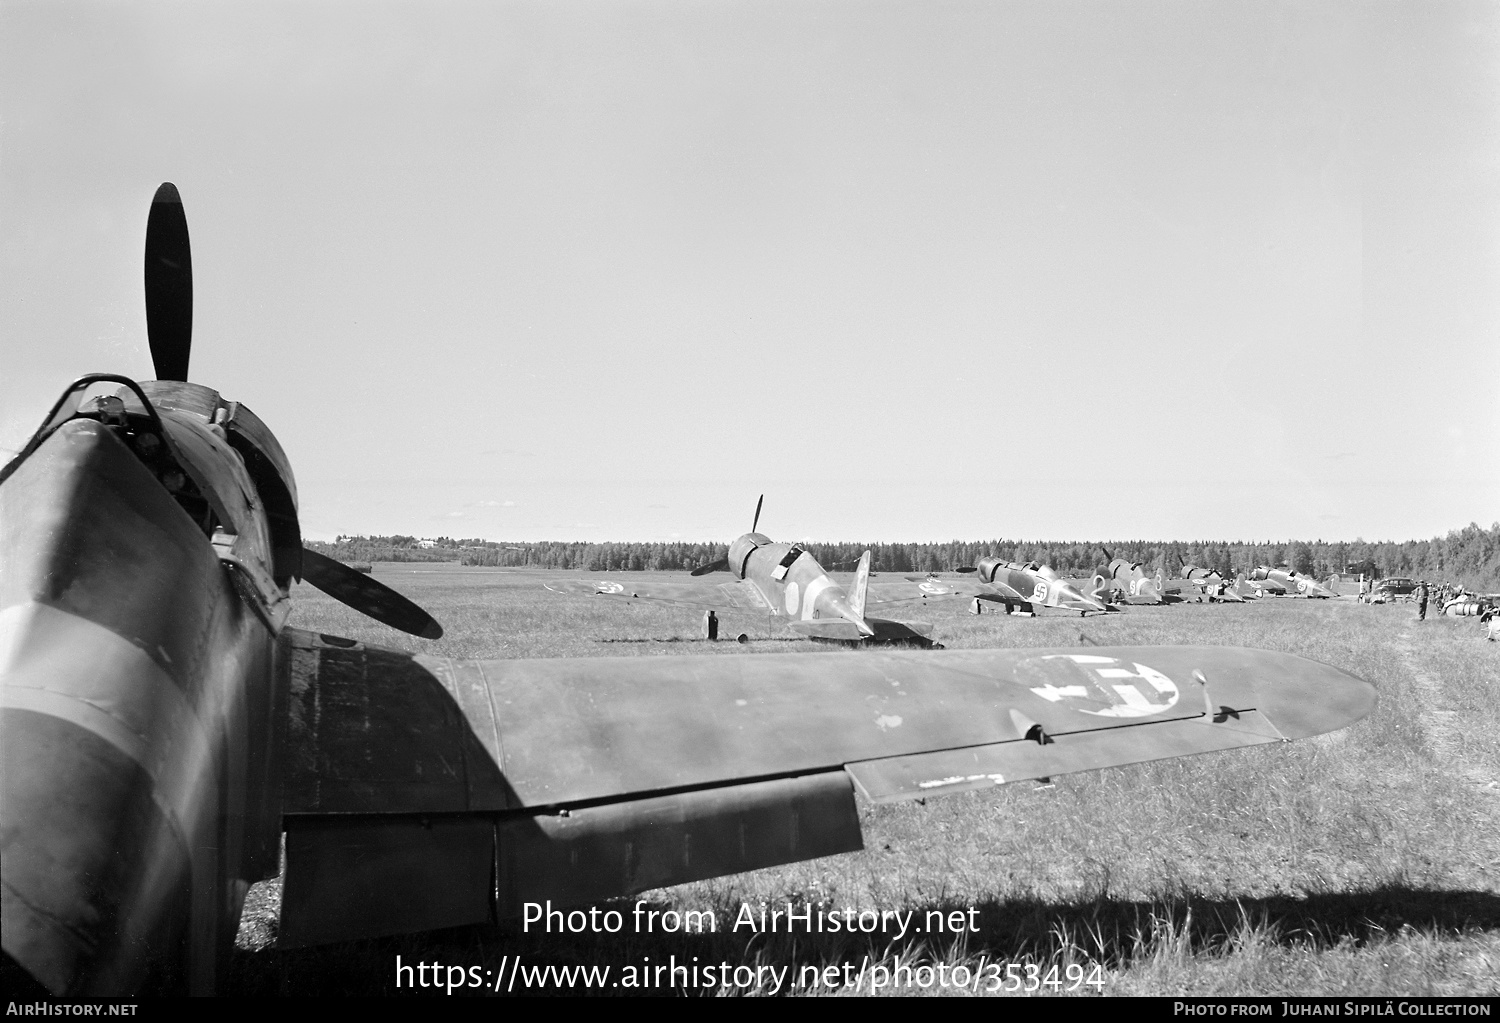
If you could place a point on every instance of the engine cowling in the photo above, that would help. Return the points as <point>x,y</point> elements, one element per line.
<point>986,568</point>
<point>741,549</point>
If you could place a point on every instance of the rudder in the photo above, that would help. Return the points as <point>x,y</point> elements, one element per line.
<point>861,586</point>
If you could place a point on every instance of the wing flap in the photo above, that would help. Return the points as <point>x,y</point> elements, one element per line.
<point>357,877</point>
<point>347,878</point>
<point>602,852</point>
<point>960,770</point>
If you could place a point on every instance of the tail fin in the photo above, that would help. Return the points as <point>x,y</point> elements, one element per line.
<point>861,585</point>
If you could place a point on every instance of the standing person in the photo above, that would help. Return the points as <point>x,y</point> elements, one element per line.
<point>1364,588</point>
<point>1422,601</point>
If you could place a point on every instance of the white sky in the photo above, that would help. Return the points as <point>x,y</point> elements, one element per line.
<point>917,271</point>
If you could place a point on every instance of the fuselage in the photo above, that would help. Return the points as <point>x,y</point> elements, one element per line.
<point>1034,584</point>
<point>1211,584</point>
<point>141,595</point>
<point>791,582</point>
<point>1130,582</point>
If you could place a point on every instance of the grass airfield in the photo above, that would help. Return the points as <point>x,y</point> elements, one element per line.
<point>1364,862</point>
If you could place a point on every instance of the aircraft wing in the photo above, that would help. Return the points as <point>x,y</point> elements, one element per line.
<point>906,591</point>
<point>705,594</point>
<point>422,793</point>
<point>996,588</point>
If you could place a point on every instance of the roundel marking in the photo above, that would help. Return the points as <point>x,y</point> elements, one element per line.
<point>1102,686</point>
<point>605,586</point>
<point>791,599</point>
<point>1039,596</point>
<point>810,596</point>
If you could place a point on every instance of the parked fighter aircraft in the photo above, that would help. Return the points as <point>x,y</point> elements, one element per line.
<point>1125,582</point>
<point>1203,584</point>
<point>162,728</point>
<point>1289,582</point>
<point>1022,588</point>
<point>1254,589</point>
<point>780,580</point>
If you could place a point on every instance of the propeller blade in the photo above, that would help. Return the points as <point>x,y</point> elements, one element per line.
<point>757,513</point>
<point>367,596</point>
<point>965,569</point>
<point>722,565</point>
<point>169,285</point>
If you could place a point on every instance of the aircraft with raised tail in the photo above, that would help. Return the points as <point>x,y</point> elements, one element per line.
<point>1018,588</point>
<point>1282,580</point>
<point>779,580</point>
<point>1203,584</point>
<point>168,739</point>
<point>1126,582</point>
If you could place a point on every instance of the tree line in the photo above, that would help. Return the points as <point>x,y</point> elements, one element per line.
<point>1470,556</point>
<point>397,547</point>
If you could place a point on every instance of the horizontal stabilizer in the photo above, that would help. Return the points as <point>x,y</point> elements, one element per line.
<point>829,628</point>
<point>887,631</point>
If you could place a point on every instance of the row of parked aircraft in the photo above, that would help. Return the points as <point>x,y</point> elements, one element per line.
<point>168,739</point>
<point>785,582</point>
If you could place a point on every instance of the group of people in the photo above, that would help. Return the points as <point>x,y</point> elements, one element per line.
<point>1489,614</point>
<point>1442,593</point>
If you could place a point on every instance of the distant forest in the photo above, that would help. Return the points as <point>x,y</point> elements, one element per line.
<point>1470,556</point>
